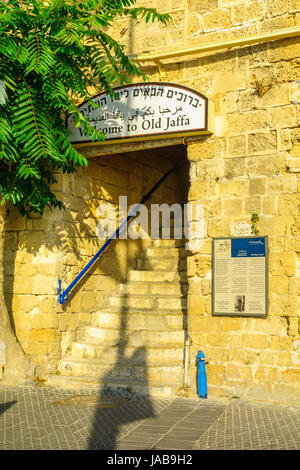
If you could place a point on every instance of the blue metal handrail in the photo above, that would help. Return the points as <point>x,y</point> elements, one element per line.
<point>64,296</point>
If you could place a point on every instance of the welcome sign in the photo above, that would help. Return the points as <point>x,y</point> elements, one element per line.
<point>144,111</point>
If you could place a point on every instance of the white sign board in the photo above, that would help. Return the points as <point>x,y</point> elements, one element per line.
<point>145,111</point>
<point>240,276</point>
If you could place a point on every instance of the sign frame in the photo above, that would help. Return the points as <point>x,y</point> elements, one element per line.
<point>266,277</point>
<point>205,130</point>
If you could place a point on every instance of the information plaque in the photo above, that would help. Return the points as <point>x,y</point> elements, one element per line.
<point>240,276</point>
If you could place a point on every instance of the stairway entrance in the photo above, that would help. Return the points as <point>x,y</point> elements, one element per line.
<point>136,341</point>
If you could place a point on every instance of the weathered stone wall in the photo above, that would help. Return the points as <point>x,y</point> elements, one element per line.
<point>250,164</point>
<point>38,251</point>
<point>201,21</point>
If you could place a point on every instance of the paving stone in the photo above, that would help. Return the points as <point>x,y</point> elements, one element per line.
<point>29,420</point>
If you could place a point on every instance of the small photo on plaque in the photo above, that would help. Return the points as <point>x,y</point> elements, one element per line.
<point>239,305</point>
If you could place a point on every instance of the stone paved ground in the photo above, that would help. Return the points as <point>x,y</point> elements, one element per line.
<point>38,418</point>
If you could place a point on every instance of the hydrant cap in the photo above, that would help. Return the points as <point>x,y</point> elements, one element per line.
<point>200,355</point>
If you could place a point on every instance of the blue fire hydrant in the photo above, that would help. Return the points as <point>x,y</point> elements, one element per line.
<point>201,375</point>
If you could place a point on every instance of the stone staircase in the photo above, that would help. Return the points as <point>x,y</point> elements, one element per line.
<point>137,343</point>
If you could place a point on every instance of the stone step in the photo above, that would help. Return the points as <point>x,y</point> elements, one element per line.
<point>160,373</point>
<point>135,338</point>
<point>130,302</point>
<point>154,288</point>
<point>166,252</point>
<point>173,243</point>
<point>111,354</point>
<point>168,289</point>
<point>161,264</point>
<point>125,387</point>
<point>155,276</point>
<point>138,321</point>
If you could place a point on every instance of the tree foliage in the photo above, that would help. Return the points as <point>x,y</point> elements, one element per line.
<point>51,54</point>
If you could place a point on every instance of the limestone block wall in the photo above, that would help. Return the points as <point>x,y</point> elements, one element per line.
<point>250,164</point>
<point>252,358</point>
<point>195,22</point>
<point>30,277</point>
<point>38,251</point>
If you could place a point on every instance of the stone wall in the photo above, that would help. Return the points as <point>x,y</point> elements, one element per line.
<point>195,22</point>
<point>38,251</point>
<point>250,164</point>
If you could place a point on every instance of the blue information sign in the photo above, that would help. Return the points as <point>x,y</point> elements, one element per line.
<point>247,247</point>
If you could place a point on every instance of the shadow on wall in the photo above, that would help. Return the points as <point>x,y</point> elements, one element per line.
<point>38,250</point>
<point>108,427</point>
<point>69,239</point>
